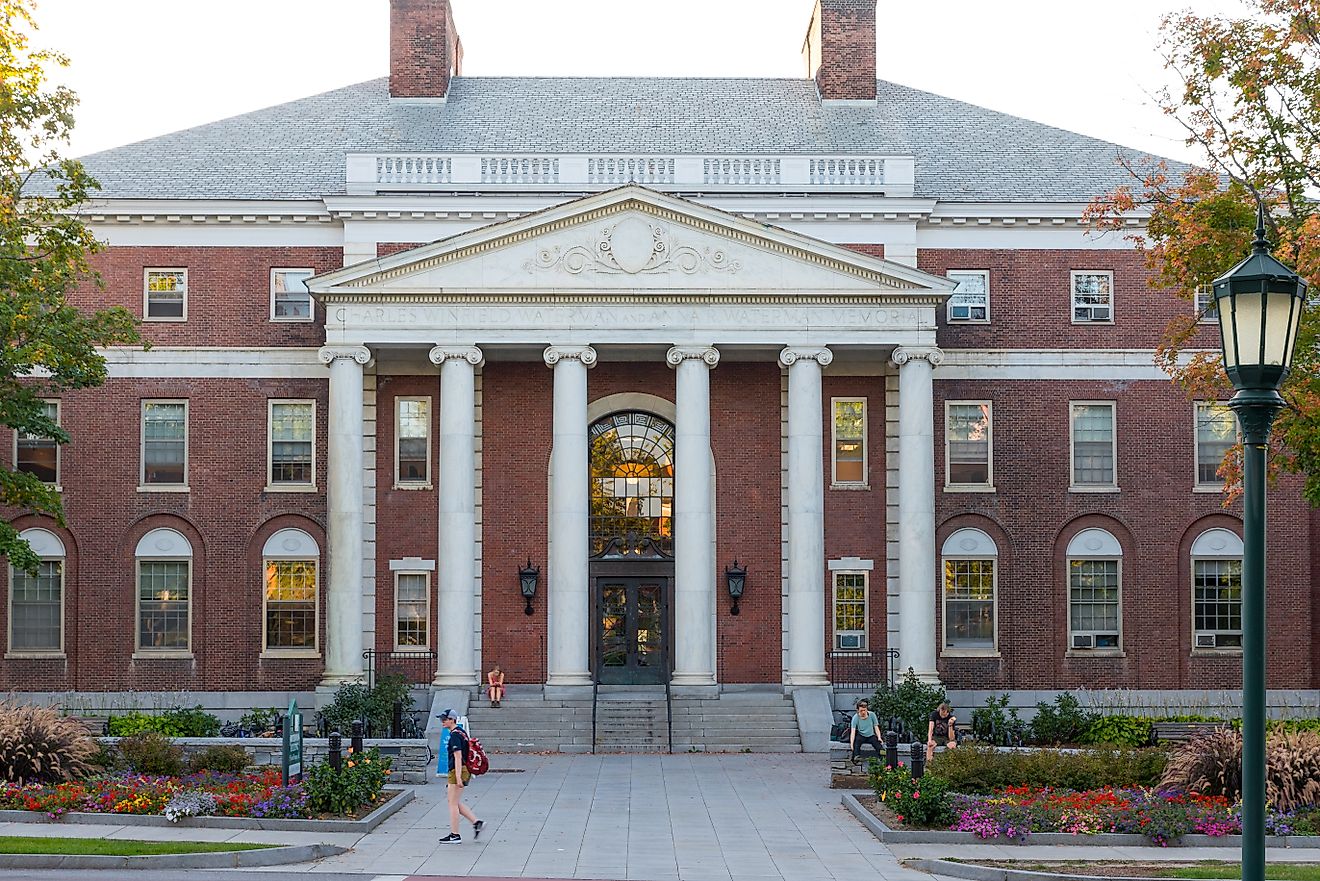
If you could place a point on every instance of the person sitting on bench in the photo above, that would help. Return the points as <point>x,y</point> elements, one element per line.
<point>864,731</point>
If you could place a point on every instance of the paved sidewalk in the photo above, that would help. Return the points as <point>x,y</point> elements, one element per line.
<point>693,817</point>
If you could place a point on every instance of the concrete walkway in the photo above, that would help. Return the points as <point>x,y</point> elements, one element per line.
<point>695,817</point>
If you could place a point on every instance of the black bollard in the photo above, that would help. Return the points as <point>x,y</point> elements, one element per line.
<point>396,720</point>
<point>356,741</point>
<point>891,749</point>
<point>335,757</point>
<point>918,760</point>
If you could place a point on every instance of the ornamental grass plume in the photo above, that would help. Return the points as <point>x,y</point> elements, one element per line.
<point>1210,764</point>
<point>1292,770</point>
<point>38,745</point>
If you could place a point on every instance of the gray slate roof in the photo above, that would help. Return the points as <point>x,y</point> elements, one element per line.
<point>296,150</point>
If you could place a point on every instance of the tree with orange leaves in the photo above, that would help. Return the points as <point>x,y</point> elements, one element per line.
<point>1247,93</point>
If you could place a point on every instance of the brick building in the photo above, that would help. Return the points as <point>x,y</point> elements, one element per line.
<point>412,336</point>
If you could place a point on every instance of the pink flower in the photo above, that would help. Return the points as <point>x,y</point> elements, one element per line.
<point>916,794</point>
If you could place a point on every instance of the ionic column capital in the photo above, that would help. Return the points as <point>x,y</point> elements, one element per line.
<point>904,354</point>
<point>793,354</point>
<point>554,354</point>
<point>678,354</point>
<point>470,354</point>
<point>330,354</point>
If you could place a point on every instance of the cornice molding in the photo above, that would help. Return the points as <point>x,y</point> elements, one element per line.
<point>638,298</point>
<point>793,354</point>
<point>709,355</point>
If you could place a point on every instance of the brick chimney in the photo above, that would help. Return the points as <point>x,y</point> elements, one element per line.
<point>424,50</point>
<point>840,50</point>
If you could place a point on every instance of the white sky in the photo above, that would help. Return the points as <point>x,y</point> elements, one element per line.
<point>146,67</point>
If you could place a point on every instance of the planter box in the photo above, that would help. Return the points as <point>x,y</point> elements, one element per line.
<point>411,758</point>
<point>362,826</point>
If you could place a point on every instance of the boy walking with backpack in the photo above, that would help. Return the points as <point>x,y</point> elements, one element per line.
<point>457,753</point>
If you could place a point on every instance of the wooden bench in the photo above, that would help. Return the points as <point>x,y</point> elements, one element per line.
<point>1180,731</point>
<point>95,725</point>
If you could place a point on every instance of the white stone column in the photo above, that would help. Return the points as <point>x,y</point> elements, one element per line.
<point>694,522</point>
<point>457,568</point>
<point>568,609</point>
<point>806,516</point>
<point>343,630</point>
<point>916,508</point>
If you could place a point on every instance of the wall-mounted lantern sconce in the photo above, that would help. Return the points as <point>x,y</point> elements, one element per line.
<point>527,578</point>
<point>735,577</point>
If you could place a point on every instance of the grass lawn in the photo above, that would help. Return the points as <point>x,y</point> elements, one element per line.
<point>1137,869</point>
<point>111,847</point>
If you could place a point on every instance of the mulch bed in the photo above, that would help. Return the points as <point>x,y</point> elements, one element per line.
<point>362,811</point>
<point>889,818</point>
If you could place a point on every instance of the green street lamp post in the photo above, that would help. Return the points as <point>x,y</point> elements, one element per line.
<point>1260,306</point>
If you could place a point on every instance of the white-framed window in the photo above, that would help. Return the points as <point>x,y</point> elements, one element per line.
<point>848,422</point>
<point>851,615</point>
<point>38,454</point>
<point>1207,311</point>
<point>971,581</point>
<point>165,295</point>
<point>968,445</point>
<point>412,610</point>
<point>970,302</point>
<point>1217,591</point>
<point>165,445</point>
<point>163,590</point>
<point>290,562</point>
<point>1092,297</point>
<point>36,601</point>
<point>291,451</point>
<point>1095,591</point>
<point>289,298</point>
<point>1094,443</point>
<point>412,442</point>
<point>1216,433</point>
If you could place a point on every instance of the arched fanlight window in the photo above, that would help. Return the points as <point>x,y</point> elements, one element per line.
<point>1095,588</point>
<point>1217,590</point>
<point>164,592</point>
<point>971,576</point>
<point>291,561</point>
<point>36,599</point>
<point>632,479</point>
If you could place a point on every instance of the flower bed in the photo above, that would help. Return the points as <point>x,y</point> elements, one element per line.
<point>356,788</point>
<point>1160,815</point>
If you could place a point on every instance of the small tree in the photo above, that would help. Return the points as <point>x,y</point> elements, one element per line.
<point>911,702</point>
<point>46,345</point>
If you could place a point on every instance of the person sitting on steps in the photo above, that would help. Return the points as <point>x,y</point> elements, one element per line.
<point>863,731</point>
<point>495,686</point>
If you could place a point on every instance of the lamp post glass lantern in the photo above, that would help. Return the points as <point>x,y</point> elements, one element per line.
<point>735,577</point>
<point>1260,307</point>
<point>527,578</point>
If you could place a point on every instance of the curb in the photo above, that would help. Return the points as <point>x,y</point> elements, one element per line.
<point>1066,839</point>
<point>78,818</point>
<point>237,859</point>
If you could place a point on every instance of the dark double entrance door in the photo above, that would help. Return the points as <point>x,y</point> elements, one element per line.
<point>631,628</point>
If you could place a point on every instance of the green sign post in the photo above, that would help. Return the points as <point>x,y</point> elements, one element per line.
<point>293,745</point>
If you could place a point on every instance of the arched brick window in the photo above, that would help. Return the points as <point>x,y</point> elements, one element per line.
<point>291,562</point>
<point>1217,591</point>
<point>36,600</point>
<point>971,578</point>
<point>164,593</point>
<point>1095,592</point>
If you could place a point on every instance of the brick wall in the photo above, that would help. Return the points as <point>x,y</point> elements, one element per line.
<point>424,48</point>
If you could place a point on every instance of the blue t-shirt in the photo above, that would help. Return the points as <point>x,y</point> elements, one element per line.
<point>864,727</point>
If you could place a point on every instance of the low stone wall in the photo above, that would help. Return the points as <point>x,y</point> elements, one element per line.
<point>410,758</point>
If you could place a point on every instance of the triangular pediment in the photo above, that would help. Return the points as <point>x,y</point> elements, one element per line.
<point>628,239</point>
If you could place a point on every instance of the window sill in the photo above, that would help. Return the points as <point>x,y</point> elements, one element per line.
<point>290,488</point>
<point>148,318</point>
<point>1095,653</point>
<point>1216,488</point>
<point>414,486</point>
<point>959,321</point>
<point>275,320</point>
<point>1093,489</point>
<point>1217,653</point>
<point>1108,323</point>
<point>163,488</point>
<point>968,488</point>
<point>143,655</point>
<point>970,653</point>
<point>290,654</point>
<point>852,487</point>
<point>35,656</point>
<point>423,648</point>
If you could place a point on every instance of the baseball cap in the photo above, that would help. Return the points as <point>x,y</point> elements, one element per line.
<point>448,714</point>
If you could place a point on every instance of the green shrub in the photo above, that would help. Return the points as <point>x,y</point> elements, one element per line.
<point>997,723</point>
<point>231,759</point>
<point>106,758</point>
<point>374,706</point>
<point>981,769</point>
<point>150,752</point>
<point>922,802</point>
<point>259,721</point>
<point>1119,731</point>
<point>38,745</point>
<point>912,702</point>
<point>174,722</point>
<point>1064,722</point>
<point>358,782</point>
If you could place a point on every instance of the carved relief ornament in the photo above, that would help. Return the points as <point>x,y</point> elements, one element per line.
<point>633,246</point>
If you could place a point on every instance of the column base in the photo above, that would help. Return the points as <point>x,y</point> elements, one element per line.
<point>334,680</point>
<point>805,678</point>
<point>569,679</point>
<point>454,680</point>
<point>680,680</point>
<point>931,677</point>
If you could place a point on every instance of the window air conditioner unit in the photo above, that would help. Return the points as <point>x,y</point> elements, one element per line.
<point>1205,640</point>
<point>850,641</point>
<point>960,313</point>
<point>1083,641</point>
<point>1095,640</point>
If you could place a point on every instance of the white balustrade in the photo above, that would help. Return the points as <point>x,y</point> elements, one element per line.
<point>741,170</point>
<point>847,171</point>
<point>520,170</point>
<point>630,169</point>
<point>422,169</point>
